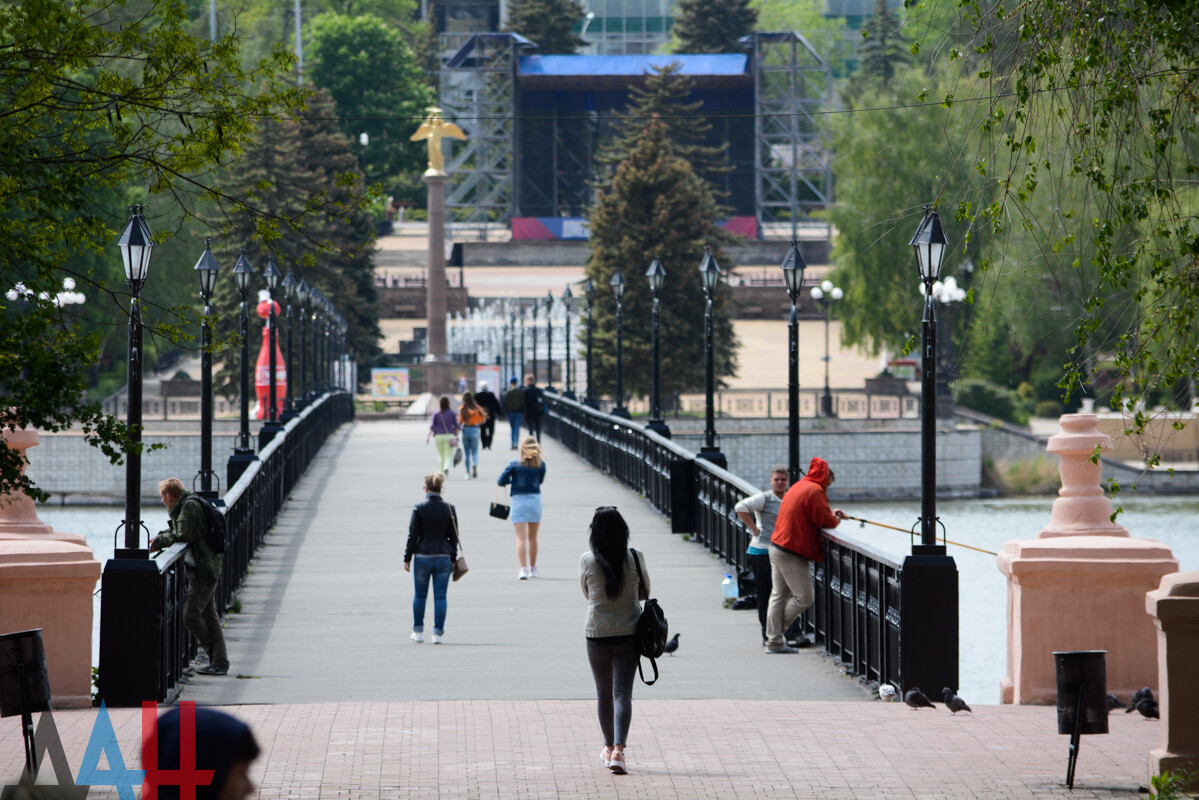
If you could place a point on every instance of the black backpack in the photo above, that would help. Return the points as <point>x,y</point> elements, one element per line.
<point>215,528</point>
<point>652,628</point>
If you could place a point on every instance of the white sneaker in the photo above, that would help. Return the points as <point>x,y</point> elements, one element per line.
<point>533,572</point>
<point>524,574</point>
<point>417,637</point>
<point>437,638</point>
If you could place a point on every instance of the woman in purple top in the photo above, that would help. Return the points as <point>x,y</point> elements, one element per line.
<point>444,430</point>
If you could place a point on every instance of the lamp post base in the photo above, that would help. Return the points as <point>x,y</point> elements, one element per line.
<point>826,405</point>
<point>620,411</point>
<point>569,396</point>
<point>659,427</point>
<point>590,403</point>
<point>268,432</point>
<point>288,415</point>
<point>713,455</point>
<point>238,463</point>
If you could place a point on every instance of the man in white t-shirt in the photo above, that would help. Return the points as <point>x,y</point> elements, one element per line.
<point>759,513</point>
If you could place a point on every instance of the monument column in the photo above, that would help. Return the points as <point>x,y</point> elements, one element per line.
<point>437,357</point>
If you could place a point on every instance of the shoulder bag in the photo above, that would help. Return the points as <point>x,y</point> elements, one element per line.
<point>498,509</point>
<point>652,629</point>
<point>460,567</point>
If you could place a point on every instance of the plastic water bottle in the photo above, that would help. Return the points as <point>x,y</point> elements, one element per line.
<point>728,590</point>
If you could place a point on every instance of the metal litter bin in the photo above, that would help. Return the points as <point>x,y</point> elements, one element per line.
<point>24,684</point>
<point>1081,698</point>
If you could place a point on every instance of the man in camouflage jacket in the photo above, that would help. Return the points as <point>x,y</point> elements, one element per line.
<point>189,525</point>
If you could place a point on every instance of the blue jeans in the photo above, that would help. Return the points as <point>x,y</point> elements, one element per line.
<point>470,446</point>
<point>439,569</point>
<point>514,419</point>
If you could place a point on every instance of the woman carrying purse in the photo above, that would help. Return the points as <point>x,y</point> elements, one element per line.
<point>433,548</point>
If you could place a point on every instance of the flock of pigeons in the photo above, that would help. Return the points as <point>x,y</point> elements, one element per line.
<point>1143,701</point>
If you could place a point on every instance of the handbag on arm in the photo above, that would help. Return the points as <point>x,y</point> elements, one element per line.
<point>498,509</point>
<point>460,566</point>
<point>652,628</point>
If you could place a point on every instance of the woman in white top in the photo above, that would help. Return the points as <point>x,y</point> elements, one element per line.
<point>610,583</point>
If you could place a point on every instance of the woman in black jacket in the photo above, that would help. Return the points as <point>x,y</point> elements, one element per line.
<point>433,541</point>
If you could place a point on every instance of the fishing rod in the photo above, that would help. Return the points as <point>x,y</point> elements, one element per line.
<point>865,522</point>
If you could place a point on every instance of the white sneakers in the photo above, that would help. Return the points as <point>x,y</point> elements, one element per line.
<point>417,637</point>
<point>533,572</point>
<point>437,638</point>
<point>524,574</point>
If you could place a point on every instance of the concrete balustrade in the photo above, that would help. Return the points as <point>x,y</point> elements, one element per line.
<point>1174,607</point>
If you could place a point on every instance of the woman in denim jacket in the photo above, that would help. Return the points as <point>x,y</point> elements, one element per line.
<point>525,477</point>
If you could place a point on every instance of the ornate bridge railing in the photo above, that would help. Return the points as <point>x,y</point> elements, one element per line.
<point>144,648</point>
<point>861,607</point>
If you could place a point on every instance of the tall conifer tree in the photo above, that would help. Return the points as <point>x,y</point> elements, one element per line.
<point>712,26</point>
<point>548,23</point>
<point>655,206</point>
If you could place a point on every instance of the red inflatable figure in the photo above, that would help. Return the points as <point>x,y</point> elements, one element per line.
<point>262,374</point>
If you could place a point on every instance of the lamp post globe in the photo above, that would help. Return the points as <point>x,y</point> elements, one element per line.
<point>793,267</point>
<point>567,302</point>
<point>656,276</point>
<point>709,273</point>
<point>617,283</point>
<point>137,246</point>
<point>206,270</point>
<point>243,449</point>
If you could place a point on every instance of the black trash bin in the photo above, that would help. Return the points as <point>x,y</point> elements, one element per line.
<point>24,684</point>
<point>1081,698</point>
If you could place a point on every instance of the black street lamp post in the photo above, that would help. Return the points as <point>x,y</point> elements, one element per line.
<point>533,330</point>
<point>567,299</point>
<point>947,294</point>
<point>137,246</point>
<point>243,450</point>
<point>302,292</point>
<point>206,269</point>
<point>511,352</point>
<point>656,275</point>
<point>793,269</point>
<point>618,283</point>
<point>520,365</point>
<point>826,294</point>
<point>589,395</point>
<point>709,273</point>
<point>929,595</point>
<point>289,292</point>
<point>271,427</point>
<point>314,316</point>
<point>549,342</point>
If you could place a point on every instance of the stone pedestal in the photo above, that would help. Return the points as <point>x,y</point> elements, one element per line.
<point>46,581</point>
<point>1081,584</point>
<point>1175,608</point>
<point>438,364</point>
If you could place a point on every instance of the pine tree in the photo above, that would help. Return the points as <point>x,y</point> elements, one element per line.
<point>881,53</point>
<point>663,97</point>
<point>712,26</point>
<point>296,165</point>
<point>655,206</point>
<point>548,23</point>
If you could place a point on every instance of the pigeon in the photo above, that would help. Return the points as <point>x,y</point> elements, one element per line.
<point>1144,693</point>
<point>953,702</point>
<point>1148,708</point>
<point>916,699</point>
<point>671,645</point>
<point>886,693</point>
<point>1114,702</point>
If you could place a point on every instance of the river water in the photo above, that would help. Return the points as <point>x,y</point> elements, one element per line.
<point>981,523</point>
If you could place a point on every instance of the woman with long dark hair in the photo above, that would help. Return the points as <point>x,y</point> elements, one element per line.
<point>609,576</point>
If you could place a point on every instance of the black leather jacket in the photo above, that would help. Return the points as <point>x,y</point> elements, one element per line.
<point>433,530</point>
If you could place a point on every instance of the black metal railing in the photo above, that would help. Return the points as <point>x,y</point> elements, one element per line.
<point>856,614</point>
<point>148,648</point>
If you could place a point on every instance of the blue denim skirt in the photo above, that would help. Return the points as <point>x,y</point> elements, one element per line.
<point>525,508</point>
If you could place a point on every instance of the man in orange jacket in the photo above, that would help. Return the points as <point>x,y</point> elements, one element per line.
<point>796,543</point>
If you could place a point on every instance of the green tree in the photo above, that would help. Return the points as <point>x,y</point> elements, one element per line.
<point>657,207</point>
<point>712,26</point>
<point>377,85</point>
<point>883,49</point>
<point>295,164</point>
<point>550,24</point>
<point>663,100</point>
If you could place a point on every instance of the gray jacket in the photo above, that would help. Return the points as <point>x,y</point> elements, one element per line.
<point>607,617</point>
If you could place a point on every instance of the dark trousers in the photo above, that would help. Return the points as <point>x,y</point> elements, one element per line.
<point>201,618</point>
<point>760,564</point>
<point>533,423</point>
<point>614,666</point>
<point>486,432</point>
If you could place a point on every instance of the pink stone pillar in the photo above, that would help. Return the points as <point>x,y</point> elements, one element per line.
<point>1175,609</point>
<point>1081,584</point>
<point>437,359</point>
<point>46,581</point>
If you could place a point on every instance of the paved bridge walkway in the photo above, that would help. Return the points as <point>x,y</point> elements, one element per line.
<point>345,705</point>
